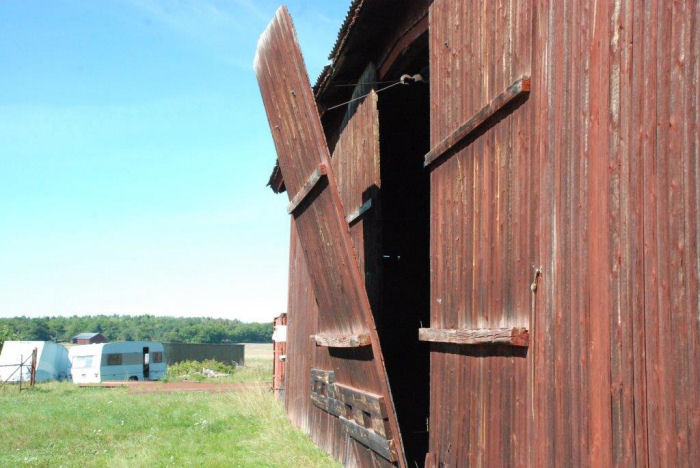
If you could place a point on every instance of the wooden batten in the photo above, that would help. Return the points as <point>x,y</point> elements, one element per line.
<point>375,442</point>
<point>306,189</point>
<point>520,87</point>
<point>363,414</point>
<point>355,215</point>
<point>319,375</point>
<point>373,404</point>
<point>514,336</point>
<point>342,341</point>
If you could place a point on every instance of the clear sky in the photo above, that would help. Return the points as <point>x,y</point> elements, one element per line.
<point>134,153</point>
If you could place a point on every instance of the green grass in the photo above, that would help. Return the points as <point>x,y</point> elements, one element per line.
<point>64,425</point>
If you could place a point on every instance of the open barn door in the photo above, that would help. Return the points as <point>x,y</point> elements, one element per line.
<point>355,389</point>
<point>481,233</point>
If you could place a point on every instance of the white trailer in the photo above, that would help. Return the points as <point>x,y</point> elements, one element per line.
<point>122,360</point>
<point>51,361</point>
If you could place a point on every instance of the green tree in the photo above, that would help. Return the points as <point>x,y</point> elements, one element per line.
<point>5,334</point>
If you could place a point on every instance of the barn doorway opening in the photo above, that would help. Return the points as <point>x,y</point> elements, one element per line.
<point>404,129</point>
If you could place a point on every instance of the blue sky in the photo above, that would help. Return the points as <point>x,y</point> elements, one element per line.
<point>134,153</point>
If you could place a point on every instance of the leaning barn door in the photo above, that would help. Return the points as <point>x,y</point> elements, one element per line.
<point>356,389</point>
<point>482,243</point>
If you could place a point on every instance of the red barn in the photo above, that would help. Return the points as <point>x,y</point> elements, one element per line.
<point>494,232</point>
<point>88,338</point>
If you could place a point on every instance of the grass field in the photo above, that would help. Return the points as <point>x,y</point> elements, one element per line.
<point>64,425</point>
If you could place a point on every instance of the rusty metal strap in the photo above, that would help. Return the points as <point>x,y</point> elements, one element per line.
<point>307,188</point>
<point>520,87</point>
<point>514,336</point>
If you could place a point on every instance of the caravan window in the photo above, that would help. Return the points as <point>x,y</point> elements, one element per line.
<point>157,357</point>
<point>82,362</point>
<point>114,359</point>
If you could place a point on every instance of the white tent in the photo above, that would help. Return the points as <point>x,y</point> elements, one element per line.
<point>52,361</point>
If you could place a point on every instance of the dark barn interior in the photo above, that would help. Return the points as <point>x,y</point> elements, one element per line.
<point>404,134</point>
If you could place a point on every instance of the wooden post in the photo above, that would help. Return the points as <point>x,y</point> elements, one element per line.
<point>21,361</point>
<point>32,375</point>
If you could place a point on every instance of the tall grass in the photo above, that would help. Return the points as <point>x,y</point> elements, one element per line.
<point>60,424</point>
<point>64,425</point>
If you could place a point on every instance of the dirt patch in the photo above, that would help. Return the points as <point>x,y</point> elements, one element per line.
<point>168,387</point>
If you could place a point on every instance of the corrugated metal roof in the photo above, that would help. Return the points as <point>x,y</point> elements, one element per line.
<point>345,30</point>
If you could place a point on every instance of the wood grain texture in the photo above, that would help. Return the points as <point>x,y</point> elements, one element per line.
<point>374,441</point>
<point>594,178</point>
<point>517,336</point>
<point>482,235</point>
<point>325,376</point>
<point>334,272</point>
<point>520,87</point>
<point>307,188</point>
<point>342,341</point>
<point>365,401</point>
<point>355,214</point>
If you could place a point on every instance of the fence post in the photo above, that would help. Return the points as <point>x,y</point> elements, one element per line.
<point>32,378</point>
<point>21,361</point>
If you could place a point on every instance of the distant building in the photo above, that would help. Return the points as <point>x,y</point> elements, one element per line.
<point>88,338</point>
<point>279,345</point>
<point>228,353</point>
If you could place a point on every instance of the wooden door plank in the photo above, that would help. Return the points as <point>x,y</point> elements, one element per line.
<point>324,234</point>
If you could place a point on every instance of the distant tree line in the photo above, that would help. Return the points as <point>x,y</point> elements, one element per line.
<point>136,328</point>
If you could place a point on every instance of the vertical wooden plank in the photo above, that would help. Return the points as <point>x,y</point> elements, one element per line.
<point>599,244</point>
<point>635,243</point>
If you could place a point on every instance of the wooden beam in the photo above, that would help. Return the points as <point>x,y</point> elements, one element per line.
<point>358,399</point>
<point>308,186</point>
<point>380,426</point>
<point>325,376</point>
<point>375,442</point>
<point>319,401</point>
<point>355,215</point>
<point>336,407</point>
<point>328,404</point>
<point>515,336</point>
<point>342,341</point>
<point>519,87</point>
<point>401,44</point>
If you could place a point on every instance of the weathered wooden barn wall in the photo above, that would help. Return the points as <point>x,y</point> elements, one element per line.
<point>594,178</point>
<point>572,212</point>
<point>356,165</point>
<point>303,355</point>
<point>316,204</point>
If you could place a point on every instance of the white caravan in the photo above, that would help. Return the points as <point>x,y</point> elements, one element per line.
<point>122,360</point>
<point>51,361</point>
